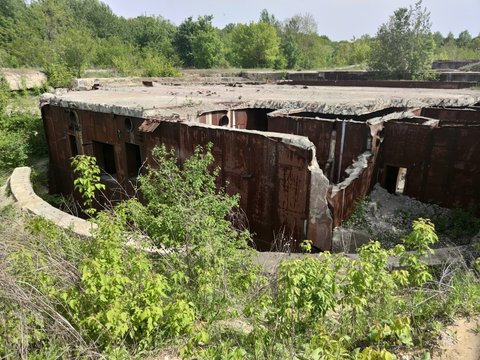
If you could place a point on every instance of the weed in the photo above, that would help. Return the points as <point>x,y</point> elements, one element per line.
<point>197,291</point>
<point>358,217</point>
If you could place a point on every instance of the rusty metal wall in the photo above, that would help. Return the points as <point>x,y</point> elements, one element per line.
<point>443,163</point>
<point>349,138</point>
<point>106,128</point>
<point>453,116</point>
<point>271,177</point>
<point>343,202</point>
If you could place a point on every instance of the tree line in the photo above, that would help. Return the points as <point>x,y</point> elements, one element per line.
<point>64,37</point>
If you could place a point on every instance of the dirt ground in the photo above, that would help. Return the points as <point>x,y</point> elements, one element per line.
<point>387,218</point>
<point>460,341</point>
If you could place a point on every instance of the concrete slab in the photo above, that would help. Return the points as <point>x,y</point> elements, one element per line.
<point>186,102</point>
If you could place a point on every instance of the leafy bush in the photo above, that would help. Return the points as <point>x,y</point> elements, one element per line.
<point>21,134</point>
<point>120,300</point>
<point>459,223</point>
<point>153,65</point>
<point>21,131</point>
<point>197,292</point>
<point>88,180</point>
<point>13,150</point>
<point>186,212</point>
<point>59,75</point>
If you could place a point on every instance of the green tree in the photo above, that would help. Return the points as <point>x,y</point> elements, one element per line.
<point>38,30</point>
<point>206,48</point>
<point>255,45</point>
<point>76,49</point>
<point>151,32</point>
<point>464,38</point>
<point>96,16</point>
<point>268,18</point>
<point>301,46</point>
<point>197,43</point>
<point>183,41</point>
<point>404,46</point>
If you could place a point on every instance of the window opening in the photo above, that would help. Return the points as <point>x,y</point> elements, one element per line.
<point>224,121</point>
<point>74,124</point>
<point>128,125</point>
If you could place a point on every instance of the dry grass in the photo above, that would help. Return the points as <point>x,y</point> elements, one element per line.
<point>36,266</point>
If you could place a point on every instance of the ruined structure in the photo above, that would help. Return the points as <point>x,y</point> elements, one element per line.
<point>300,157</point>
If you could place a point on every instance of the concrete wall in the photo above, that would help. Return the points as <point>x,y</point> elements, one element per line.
<point>27,200</point>
<point>451,64</point>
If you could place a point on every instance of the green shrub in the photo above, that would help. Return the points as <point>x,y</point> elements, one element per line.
<point>59,75</point>
<point>13,150</point>
<point>459,223</point>
<point>186,212</point>
<point>125,65</point>
<point>120,301</point>
<point>153,65</point>
<point>21,135</point>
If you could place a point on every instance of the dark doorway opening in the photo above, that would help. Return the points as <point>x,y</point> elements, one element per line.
<point>105,155</point>
<point>395,179</point>
<point>391,175</point>
<point>73,145</point>
<point>134,160</point>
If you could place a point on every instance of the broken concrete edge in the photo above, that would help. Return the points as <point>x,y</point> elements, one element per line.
<point>356,169</point>
<point>320,220</point>
<point>22,190</point>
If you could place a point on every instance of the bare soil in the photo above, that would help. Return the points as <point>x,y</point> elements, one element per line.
<point>460,341</point>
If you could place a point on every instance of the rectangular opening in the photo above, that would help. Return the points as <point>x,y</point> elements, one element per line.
<point>391,176</point>
<point>105,155</point>
<point>134,160</point>
<point>73,145</point>
<point>395,179</point>
<point>401,180</point>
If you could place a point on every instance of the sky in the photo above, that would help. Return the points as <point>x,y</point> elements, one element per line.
<point>338,19</point>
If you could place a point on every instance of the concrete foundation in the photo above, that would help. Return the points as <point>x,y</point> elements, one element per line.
<point>299,157</point>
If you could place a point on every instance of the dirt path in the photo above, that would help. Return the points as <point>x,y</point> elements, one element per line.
<point>461,341</point>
